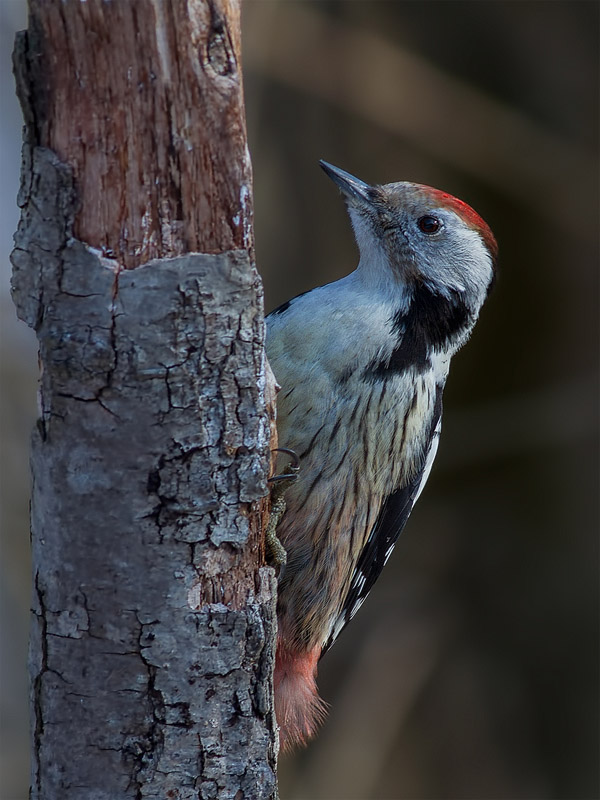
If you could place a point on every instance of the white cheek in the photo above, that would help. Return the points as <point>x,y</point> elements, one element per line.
<point>476,263</point>
<point>462,263</point>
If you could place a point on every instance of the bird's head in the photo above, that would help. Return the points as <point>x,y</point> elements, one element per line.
<point>416,236</point>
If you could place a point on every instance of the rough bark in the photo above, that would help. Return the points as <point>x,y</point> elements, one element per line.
<point>152,639</point>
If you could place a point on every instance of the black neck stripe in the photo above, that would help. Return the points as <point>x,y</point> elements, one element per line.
<point>430,323</point>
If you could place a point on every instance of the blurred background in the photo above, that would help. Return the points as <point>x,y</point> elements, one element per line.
<point>472,670</point>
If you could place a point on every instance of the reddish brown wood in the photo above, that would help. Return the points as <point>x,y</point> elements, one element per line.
<point>143,98</point>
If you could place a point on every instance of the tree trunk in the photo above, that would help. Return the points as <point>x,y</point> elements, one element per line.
<point>152,639</point>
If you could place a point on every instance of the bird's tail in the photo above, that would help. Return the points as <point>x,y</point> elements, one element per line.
<point>298,708</point>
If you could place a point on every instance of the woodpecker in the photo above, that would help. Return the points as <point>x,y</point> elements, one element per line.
<point>362,364</point>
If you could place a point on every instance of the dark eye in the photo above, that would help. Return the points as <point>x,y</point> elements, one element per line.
<point>429,224</point>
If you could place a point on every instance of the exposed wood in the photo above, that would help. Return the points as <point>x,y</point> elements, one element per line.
<point>143,99</point>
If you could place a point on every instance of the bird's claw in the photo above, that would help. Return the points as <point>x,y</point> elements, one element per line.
<point>275,551</point>
<point>293,468</point>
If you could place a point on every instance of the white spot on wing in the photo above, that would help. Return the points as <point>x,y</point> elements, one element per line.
<point>388,553</point>
<point>359,581</point>
<point>357,605</point>
<point>337,628</point>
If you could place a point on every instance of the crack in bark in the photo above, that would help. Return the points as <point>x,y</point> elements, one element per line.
<point>144,751</point>
<point>38,731</point>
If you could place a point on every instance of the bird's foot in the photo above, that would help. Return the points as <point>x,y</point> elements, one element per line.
<point>275,551</point>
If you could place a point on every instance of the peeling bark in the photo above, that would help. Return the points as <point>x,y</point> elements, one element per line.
<point>153,624</point>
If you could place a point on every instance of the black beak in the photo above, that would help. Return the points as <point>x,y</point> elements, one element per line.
<point>353,188</point>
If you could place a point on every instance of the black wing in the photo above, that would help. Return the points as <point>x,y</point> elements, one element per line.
<point>392,518</point>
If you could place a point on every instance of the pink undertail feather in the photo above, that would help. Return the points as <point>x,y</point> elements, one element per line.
<point>298,708</point>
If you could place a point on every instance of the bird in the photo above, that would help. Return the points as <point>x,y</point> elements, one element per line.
<point>362,363</point>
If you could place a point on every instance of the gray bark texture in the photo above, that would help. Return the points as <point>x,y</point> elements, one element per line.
<point>153,621</point>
